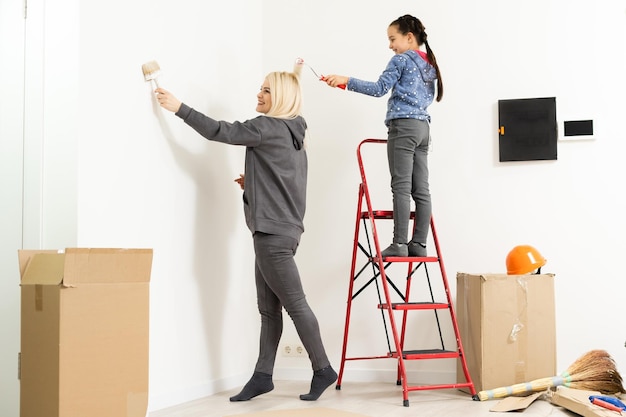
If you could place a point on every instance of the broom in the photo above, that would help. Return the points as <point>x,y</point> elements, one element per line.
<point>594,371</point>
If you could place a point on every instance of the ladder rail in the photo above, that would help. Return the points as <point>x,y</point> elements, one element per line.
<point>351,293</point>
<point>455,324</point>
<point>350,289</point>
<point>379,261</point>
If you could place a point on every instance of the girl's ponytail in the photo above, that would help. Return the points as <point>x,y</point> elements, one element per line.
<point>408,23</point>
<point>433,61</point>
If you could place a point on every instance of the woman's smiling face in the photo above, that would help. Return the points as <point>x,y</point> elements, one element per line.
<point>264,98</point>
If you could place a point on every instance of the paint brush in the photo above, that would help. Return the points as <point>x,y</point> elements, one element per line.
<point>151,71</point>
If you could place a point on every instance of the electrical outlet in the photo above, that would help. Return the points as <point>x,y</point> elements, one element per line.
<point>287,350</point>
<point>294,351</point>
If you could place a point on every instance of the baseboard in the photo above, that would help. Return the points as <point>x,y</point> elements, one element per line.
<point>372,375</point>
<point>160,401</point>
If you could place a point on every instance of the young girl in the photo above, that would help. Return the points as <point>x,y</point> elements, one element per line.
<point>411,75</point>
<point>274,200</point>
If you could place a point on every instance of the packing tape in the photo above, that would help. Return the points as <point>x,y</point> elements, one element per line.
<point>38,297</point>
<point>521,335</point>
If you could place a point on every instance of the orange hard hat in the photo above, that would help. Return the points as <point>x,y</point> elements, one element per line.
<point>523,259</point>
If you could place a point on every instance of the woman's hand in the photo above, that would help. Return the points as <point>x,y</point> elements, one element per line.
<point>240,180</point>
<point>167,100</point>
<point>336,80</point>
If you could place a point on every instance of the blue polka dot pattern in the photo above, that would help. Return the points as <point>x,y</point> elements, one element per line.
<point>411,80</point>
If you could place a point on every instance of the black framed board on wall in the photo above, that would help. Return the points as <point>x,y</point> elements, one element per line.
<point>527,129</point>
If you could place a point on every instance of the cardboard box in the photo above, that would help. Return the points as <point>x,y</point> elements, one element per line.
<point>577,401</point>
<point>84,332</point>
<point>507,328</point>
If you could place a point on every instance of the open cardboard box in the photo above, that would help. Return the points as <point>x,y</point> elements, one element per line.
<point>84,332</point>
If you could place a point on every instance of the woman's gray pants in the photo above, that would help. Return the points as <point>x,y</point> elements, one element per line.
<point>278,285</point>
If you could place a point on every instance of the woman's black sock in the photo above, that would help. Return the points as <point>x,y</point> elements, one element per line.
<point>322,379</point>
<point>260,383</point>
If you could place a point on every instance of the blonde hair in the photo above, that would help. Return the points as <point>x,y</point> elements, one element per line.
<point>286,95</point>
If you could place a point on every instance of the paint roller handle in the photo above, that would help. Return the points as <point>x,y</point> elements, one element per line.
<point>342,86</point>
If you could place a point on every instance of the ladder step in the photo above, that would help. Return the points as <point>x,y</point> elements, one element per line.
<point>415,306</point>
<point>409,259</point>
<point>426,354</point>
<point>380,214</point>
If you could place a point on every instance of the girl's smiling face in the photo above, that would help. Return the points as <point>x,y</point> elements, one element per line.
<point>398,42</point>
<point>264,98</point>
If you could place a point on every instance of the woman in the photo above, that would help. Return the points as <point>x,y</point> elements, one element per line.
<point>274,200</point>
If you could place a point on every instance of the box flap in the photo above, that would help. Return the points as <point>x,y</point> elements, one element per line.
<point>44,269</point>
<point>515,403</point>
<point>24,256</point>
<point>577,401</point>
<point>84,265</point>
<point>101,265</point>
<point>491,277</point>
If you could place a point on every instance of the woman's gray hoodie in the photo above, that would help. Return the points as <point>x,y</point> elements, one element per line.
<point>276,165</point>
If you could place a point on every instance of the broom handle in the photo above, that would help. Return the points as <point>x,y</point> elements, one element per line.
<point>521,388</point>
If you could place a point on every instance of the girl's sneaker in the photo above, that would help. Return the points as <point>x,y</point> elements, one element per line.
<point>416,249</point>
<point>398,250</point>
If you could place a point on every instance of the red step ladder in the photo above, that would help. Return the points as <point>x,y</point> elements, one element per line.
<point>394,301</point>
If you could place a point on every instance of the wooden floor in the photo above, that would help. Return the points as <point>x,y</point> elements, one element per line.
<point>367,399</point>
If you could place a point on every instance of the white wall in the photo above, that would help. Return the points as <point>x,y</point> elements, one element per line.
<point>144,179</point>
<point>488,50</point>
<point>147,180</point>
<point>11,167</point>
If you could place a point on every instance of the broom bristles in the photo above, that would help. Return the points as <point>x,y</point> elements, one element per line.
<point>596,371</point>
